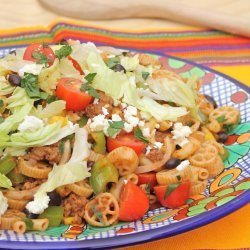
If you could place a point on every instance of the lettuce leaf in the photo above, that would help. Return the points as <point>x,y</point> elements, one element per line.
<point>5,182</point>
<point>51,109</point>
<point>5,88</point>
<point>130,63</point>
<point>73,171</point>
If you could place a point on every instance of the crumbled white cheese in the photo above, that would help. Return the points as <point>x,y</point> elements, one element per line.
<point>180,134</point>
<point>3,204</point>
<point>127,127</point>
<point>141,123</point>
<point>146,132</point>
<point>31,124</point>
<point>32,68</point>
<point>148,148</point>
<point>183,165</point>
<point>116,102</point>
<point>105,111</point>
<point>99,123</point>
<point>96,101</point>
<point>38,205</point>
<point>124,105</point>
<point>133,120</point>
<point>130,110</point>
<point>116,118</point>
<point>158,145</point>
<point>157,126</point>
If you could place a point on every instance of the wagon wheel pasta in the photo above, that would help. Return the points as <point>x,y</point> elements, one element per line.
<point>229,115</point>
<point>102,211</point>
<point>39,171</point>
<point>112,130</point>
<point>81,188</point>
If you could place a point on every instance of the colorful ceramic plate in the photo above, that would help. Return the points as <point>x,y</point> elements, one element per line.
<point>224,194</point>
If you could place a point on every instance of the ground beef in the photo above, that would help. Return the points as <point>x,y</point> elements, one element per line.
<point>49,153</point>
<point>32,183</point>
<point>74,207</point>
<point>155,155</point>
<point>160,137</point>
<point>95,109</point>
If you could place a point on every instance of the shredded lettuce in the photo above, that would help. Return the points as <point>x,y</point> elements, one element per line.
<point>5,88</point>
<point>130,63</point>
<point>5,182</point>
<point>73,171</point>
<point>51,109</point>
<point>173,90</point>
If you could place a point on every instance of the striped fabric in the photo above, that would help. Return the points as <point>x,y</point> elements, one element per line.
<point>208,47</point>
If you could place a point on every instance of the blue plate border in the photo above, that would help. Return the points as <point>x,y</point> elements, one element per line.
<point>153,234</point>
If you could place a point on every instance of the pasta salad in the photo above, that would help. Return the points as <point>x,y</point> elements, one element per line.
<point>101,135</point>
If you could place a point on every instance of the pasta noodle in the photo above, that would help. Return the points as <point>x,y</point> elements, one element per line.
<point>93,156</point>
<point>198,187</point>
<point>199,173</point>
<point>214,126</point>
<point>17,204</point>
<point>40,224</point>
<point>166,177</point>
<point>82,188</point>
<point>125,159</point>
<point>19,227</point>
<point>9,218</point>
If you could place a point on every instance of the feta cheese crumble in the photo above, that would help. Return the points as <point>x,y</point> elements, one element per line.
<point>31,68</point>
<point>3,204</point>
<point>158,145</point>
<point>116,118</point>
<point>127,127</point>
<point>148,148</point>
<point>30,124</point>
<point>146,132</point>
<point>99,123</point>
<point>39,204</point>
<point>105,111</point>
<point>180,134</point>
<point>183,165</point>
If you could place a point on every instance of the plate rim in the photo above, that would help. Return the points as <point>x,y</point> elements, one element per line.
<point>153,234</point>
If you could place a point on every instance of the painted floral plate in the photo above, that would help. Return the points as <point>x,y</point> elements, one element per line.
<point>224,194</point>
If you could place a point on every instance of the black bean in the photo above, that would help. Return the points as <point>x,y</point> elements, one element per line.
<point>211,100</point>
<point>13,52</point>
<point>14,80</point>
<point>118,68</point>
<point>55,199</point>
<point>29,214</point>
<point>222,137</point>
<point>172,163</point>
<point>90,164</point>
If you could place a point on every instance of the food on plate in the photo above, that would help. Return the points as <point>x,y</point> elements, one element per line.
<point>100,135</point>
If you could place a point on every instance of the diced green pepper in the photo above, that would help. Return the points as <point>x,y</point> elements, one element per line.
<point>54,214</point>
<point>7,164</point>
<point>225,155</point>
<point>102,173</point>
<point>100,142</point>
<point>15,177</point>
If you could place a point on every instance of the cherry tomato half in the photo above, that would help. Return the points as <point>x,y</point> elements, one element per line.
<point>68,89</point>
<point>147,178</point>
<point>127,140</point>
<point>134,203</point>
<point>41,48</point>
<point>176,198</point>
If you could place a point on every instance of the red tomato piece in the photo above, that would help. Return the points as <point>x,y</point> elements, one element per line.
<point>134,203</point>
<point>41,48</point>
<point>76,65</point>
<point>176,198</point>
<point>147,178</point>
<point>68,89</point>
<point>127,140</point>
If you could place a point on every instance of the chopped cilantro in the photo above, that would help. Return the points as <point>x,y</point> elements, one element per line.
<point>145,75</point>
<point>138,134</point>
<point>90,77</point>
<point>90,90</point>
<point>170,189</point>
<point>41,58</point>
<point>178,177</point>
<point>83,121</point>
<point>229,128</point>
<point>64,51</point>
<point>115,127</point>
<point>113,61</point>
<point>148,187</point>
<point>30,84</point>
<point>1,103</point>
<point>221,118</point>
